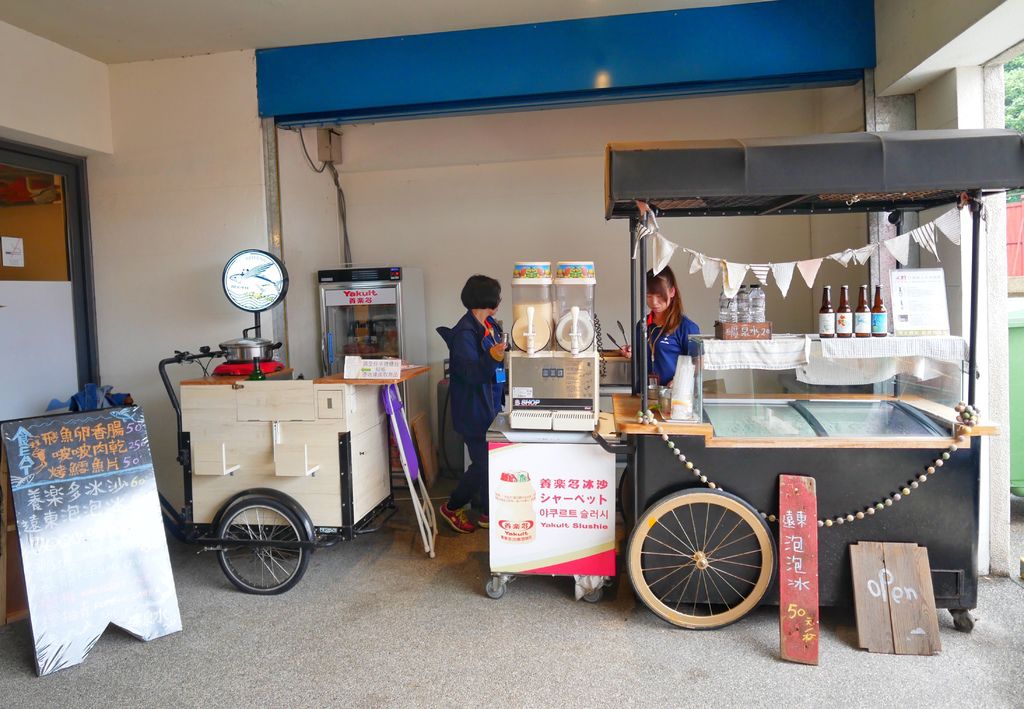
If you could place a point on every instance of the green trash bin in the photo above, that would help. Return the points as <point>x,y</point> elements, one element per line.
<point>1015,320</point>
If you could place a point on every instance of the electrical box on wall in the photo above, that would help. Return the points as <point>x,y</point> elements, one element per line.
<point>328,145</point>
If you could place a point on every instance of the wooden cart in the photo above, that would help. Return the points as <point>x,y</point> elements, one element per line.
<point>275,469</point>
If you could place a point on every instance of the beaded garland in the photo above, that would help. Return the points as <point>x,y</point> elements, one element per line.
<point>967,416</point>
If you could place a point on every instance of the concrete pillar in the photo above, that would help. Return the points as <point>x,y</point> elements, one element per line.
<point>885,113</point>
<point>997,377</point>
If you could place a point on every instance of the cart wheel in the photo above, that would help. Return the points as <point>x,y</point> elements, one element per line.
<point>701,559</point>
<point>261,570</point>
<point>495,587</point>
<point>962,619</point>
<point>594,596</point>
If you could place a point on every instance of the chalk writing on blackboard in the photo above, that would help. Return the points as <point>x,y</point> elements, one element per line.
<point>90,531</point>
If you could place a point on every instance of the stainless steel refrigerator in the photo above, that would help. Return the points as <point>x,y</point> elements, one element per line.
<point>375,311</point>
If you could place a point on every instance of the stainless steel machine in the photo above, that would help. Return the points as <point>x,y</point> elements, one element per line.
<point>553,366</point>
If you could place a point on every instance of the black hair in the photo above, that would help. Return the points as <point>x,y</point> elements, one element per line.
<point>481,292</point>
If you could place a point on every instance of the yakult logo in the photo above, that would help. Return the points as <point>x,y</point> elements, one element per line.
<point>361,297</point>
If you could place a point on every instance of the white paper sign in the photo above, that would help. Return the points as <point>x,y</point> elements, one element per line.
<point>358,368</point>
<point>360,296</point>
<point>919,302</point>
<point>14,251</point>
<point>552,509</point>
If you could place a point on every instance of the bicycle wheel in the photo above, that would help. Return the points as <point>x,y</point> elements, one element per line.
<point>701,559</point>
<point>252,568</point>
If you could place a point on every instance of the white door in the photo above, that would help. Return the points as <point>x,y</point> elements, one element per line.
<point>38,358</point>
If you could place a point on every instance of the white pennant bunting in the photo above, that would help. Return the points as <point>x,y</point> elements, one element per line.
<point>711,268</point>
<point>733,278</point>
<point>862,254</point>
<point>949,225</point>
<point>698,262</point>
<point>761,271</point>
<point>899,247</point>
<point>783,273</point>
<point>663,250</point>
<point>809,270</point>
<point>924,236</point>
<point>843,257</point>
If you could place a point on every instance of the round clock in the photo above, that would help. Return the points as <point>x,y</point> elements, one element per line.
<point>255,280</point>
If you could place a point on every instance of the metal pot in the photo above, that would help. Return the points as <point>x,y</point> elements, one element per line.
<point>245,348</point>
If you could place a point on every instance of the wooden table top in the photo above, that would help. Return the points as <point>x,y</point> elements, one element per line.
<point>285,374</point>
<point>407,374</point>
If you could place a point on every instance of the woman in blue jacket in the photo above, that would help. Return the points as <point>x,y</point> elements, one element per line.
<point>477,388</point>
<point>668,329</point>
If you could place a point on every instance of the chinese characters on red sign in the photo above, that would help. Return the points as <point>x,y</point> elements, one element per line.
<point>798,569</point>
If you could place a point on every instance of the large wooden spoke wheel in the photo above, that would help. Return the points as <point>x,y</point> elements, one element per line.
<point>701,558</point>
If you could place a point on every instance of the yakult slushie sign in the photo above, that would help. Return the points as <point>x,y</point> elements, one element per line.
<point>552,509</point>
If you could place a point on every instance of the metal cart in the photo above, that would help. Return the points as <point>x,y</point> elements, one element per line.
<point>680,516</point>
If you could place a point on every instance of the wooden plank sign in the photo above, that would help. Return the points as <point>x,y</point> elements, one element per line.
<point>798,569</point>
<point>743,331</point>
<point>894,599</point>
<point>92,541</point>
<point>425,448</point>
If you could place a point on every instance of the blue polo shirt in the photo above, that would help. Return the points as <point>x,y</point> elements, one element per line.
<point>668,348</point>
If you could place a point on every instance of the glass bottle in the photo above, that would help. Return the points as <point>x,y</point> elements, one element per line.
<point>844,314</point>
<point>826,315</point>
<point>879,316</point>
<point>862,315</point>
<point>257,371</point>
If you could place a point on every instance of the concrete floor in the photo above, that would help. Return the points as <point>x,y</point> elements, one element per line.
<point>376,623</point>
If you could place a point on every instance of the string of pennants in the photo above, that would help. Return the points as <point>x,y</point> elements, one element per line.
<point>733,274</point>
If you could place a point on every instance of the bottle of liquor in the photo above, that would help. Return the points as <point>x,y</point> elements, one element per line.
<point>879,317</point>
<point>844,314</point>
<point>826,316</point>
<point>257,374</point>
<point>862,315</point>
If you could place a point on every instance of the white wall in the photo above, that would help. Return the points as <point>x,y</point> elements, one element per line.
<point>918,40</point>
<point>183,192</point>
<point>471,194</point>
<point>51,96</point>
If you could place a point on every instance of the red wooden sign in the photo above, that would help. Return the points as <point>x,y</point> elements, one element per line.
<point>798,569</point>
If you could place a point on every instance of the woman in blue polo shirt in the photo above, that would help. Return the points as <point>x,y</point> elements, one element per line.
<point>668,330</point>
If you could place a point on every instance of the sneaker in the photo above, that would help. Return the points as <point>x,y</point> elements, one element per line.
<point>483,521</point>
<point>457,519</point>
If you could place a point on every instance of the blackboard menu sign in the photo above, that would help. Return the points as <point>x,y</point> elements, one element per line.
<point>90,530</point>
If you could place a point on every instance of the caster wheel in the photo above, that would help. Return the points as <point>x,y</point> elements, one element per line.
<point>962,620</point>
<point>495,588</point>
<point>594,596</point>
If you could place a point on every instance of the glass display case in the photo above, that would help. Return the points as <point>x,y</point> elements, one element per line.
<point>823,397</point>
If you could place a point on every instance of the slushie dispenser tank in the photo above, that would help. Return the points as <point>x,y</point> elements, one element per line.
<point>554,386</point>
<point>531,306</point>
<point>574,318</point>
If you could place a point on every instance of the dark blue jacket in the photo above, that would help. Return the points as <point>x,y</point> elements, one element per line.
<point>476,396</point>
<point>668,348</point>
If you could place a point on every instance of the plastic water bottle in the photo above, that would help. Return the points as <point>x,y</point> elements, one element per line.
<point>757,296</point>
<point>743,305</point>
<point>725,315</point>
<point>733,316</point>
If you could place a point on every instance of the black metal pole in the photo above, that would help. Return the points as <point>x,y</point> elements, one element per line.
<point>972,362</point>
<point>634,315</point>
<point>640,348</point>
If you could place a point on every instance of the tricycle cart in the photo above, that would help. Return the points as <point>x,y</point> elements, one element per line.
<point>699,499</point>
<point>275,469</point>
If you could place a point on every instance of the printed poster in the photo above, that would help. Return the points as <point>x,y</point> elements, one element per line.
<point>919,302</point>
<point>552,509</point>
